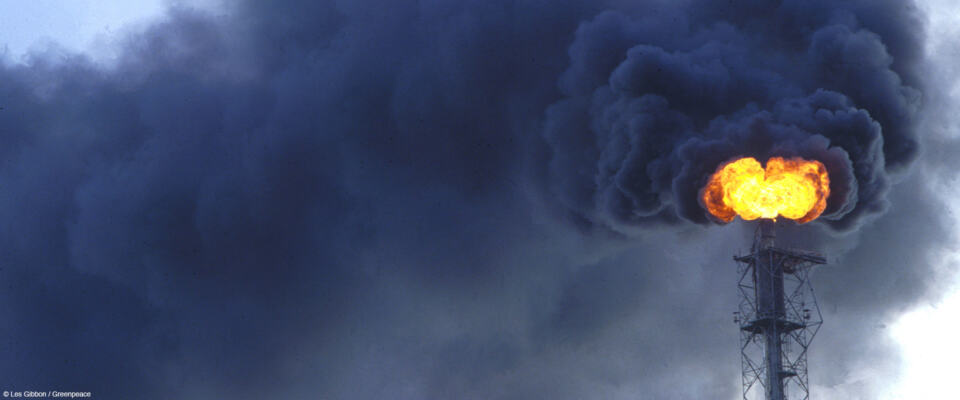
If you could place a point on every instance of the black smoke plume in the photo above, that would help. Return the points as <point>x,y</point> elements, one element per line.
<point>654,103</point>
<point>439,199</point>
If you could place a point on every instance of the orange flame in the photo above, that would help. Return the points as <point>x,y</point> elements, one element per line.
<point>793,188</point>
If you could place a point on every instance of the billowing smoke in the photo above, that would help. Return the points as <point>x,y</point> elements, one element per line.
<point>653,103</point>
<point>426,199</point>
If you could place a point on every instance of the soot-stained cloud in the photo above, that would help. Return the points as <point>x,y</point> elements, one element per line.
<point>446,199</point>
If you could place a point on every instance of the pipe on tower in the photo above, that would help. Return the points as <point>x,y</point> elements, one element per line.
<point>768,279</point>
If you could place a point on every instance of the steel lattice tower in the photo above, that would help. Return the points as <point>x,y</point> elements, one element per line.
<point>778,316</point>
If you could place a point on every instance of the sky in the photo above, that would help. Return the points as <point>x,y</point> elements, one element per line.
<point>81,26</point>
<point>462,199</point>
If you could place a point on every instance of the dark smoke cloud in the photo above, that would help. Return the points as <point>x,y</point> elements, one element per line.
<point>654,103</point>
<point>446,199</point>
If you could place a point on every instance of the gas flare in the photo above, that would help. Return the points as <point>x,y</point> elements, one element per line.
<point>792,188</point>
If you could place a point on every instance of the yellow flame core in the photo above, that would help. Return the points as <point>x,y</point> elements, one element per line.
<point>792,188</point>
